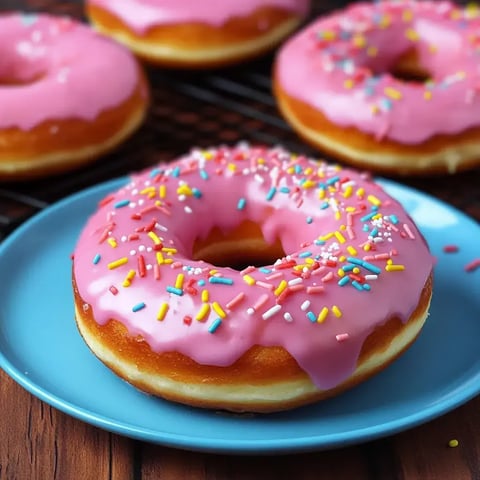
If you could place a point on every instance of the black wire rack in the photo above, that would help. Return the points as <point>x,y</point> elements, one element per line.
<point>195,109</point>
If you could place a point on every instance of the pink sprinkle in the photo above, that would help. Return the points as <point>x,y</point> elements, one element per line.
<point>273,276</point>
<point>409,232</point>
<point>262,300</point>
<point>296,288</point>
<point>369,258</point>
<point>318,289</point>
<point>473,265</point>
<point>114,290</point>
<point>175,265</point>
<point>247,270</point>
<point>328,277</point>
<point>233,303</point>
<point>382,256</point>
<point>269,286</point>
<point>342,337</point>
<point>450,249</point>
<point>350,232</point>
<point>393,252</point>
<point>156,271</point>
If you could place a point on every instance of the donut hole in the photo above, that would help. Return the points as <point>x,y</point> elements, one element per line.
<point>238,248</point>
<point>409,69</point>
<point>14,81</point>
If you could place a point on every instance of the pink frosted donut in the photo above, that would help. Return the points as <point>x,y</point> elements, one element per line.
<point>390,85</point>
<point>341,286</point>
<point>190,33</point>
<point>67,94</point>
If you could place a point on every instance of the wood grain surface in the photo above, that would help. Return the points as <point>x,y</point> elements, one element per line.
<point>40,442</point>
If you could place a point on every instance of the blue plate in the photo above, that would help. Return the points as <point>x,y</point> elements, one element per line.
<point>41,349</point>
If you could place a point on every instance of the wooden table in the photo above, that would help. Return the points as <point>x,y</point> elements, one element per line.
<point>39,442</point>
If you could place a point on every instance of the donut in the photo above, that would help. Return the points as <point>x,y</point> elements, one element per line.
<point>67,95</point>
<point>392,86</point>
<point>193,34</point>
<point>249,279</point>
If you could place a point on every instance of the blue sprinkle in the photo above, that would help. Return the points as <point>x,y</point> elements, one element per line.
<point>365,228</point>
<point>343,281</point>
<point>215,324</point>
<point>221,280</point>
<point>348,268</point>
<point>324,205</point>
<point>305,254</point>
<point>386,104</point>
<point>374,208</point>
<point>333,180</point>
<point>155,172</point>
<point>368,216</point>
<point>203,174</point>
<point>311,316</point>
<point>393,219</point>
<point>201,283</point>
<point>371,268</point>
<point>357,285</point>
<point>374,232</point>
<point>241,204</point>
<point>354,260</point>
<point>96,258</point>
<point>367,287</point>
<point>28,19</point>
<point>122,203</point>
<point>309,220</point>
<point>319,242</point>
<point>285,190</point>
<point>176,291</point>
<point>265,270</point>
<point>176,172</point>
<point>298,169</point>
<point>197,193</point>
<point>138,306</point>
<point>271,193</point>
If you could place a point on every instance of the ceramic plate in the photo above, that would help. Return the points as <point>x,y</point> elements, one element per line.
<point>41,349</point>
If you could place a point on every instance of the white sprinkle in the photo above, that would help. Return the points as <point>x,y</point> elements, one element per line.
<point>258,178</point>
<point>123,238</point>
<point>141,248</point>
<point>133,252</point>
<point>149,266</point>
<point>272,311</point>
<point>161,227</point>
<point>342,337</point>
<point>305,305</point>
<point>188,209</point>
<point>288,317</point>
<point>371,277</point>
<point>250,311</point>
<point>295,281</point>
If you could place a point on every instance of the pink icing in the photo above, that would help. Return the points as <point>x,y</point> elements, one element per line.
<point>338,63</point>
<point>141,15</point>
<point>319,212</point>
<point>65,70</point>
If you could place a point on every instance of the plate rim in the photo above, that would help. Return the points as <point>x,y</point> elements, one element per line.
<point>228,445</point>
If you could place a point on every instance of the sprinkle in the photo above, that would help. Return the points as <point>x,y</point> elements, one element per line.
<point>453,443</point>
<point>122,203</point>
<point>340,237</point>
<point>412,35</point>
<point>154,237</point>
<point>221,280</point>
<point>175,291</point>
<point>305,254</point>
<point>241,204</point>
<point>205,295</point>
<point>351,250</point>
<point>409,231</point>
<point>393,219</point>
<point>394,268</point>
<point>394,94</point>
<point>473,265</point>
<point>311,316</point>
<point>266,285</point>
<point>342,337</point>
<point>272,311</point>
<point>288,317</point>
<point>271,193</point>
<point>203,312</point>
<point>219,310</point>
<point>112,242</point>
<point>357,285</point>
<point>249,280</point>
<point>262,300</point>
<point>96,258</point>
<point>368,217</point>
<point>322,315</point>
<point>113,290</point>
<point>304,306</point>
<point>162,311</point>
<point>179,281</point>
<point>336,311</point>
<point>235,301</point>
<point>370,267</point>
<point>203,174</point>
<point>138,307</point>
<point>281,287</point>
<point>315,289</point>
<point>128,279</point>
<point>117,263</point>
<point>309,220</point>
<point>214,326</point>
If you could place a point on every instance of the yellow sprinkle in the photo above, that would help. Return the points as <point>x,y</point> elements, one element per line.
<point>179,280</point>
<point>162,191</point>
<point>427,94</point>
<point>350,209</point>
<point>213,272</point>
<point>348,192</point>
<point>471,10</point>
<point>348,83</point>
<point>356,270</point>
<point>374,109</point>
<point>219,310</point>
<point>336,311</point>
<point>160,259</point>
<point>456,14</point>
<point>407,16</point>
<point>453,443</point>
<point>290,170</point>
<point>184,190</point>
<point>372,51</point>
<point>261,161</point>
<point>112,242</point>
<point>147,190</point>
<point>340,237</point>
<point>205,296</point>
<point>308,184</point>
<point>394,268</point>
<point>343,227</point>
<point>321,193</point>
<point>154,237</point>
<point>162,311</point>
<point>367,247</point>
<point>340,272</point>
<point>342,258</point>
<point>308,171</point>
<point>338,215</point>
<point>385,21</point>
<point>248,280</point>
<point>169,251</point>
<point>281,287</point>
<point>232,167</point>
<point>117,263</point>
<point>207,155</point>
<point>360,192</point>
<point>374,200</point>
<point>128,279</point>
<point>359,41</point>
<point>393,93</point>
<point>327,236</point>
<point>168,261</point>
<point>412,35</point>
<point>203,312</point>
<point>377,216</point>
<point>328,35</point>
<point>322,315</point>
<point>299,267</point>
<point>389,261</point>
<point>351,250</point>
